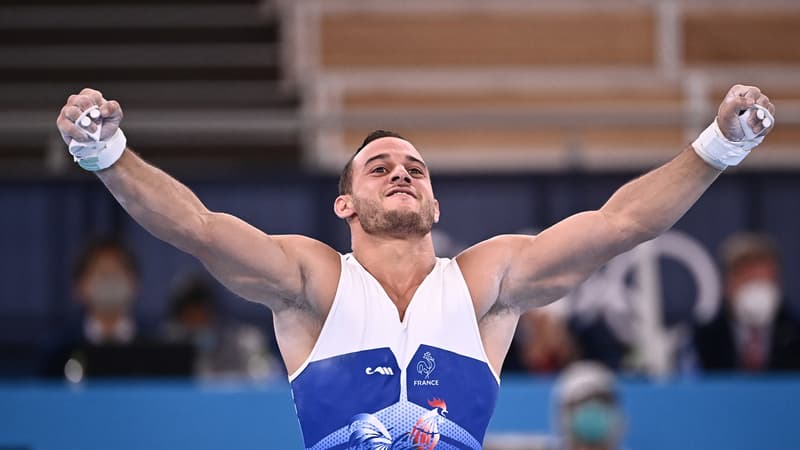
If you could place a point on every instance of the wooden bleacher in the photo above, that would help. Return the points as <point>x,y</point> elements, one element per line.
<point>513,84</point>
<point>200,81</point>
<point>463,38</point>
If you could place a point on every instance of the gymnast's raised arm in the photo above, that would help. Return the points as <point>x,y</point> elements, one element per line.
<point>533,271</point>
<point>274,270</point>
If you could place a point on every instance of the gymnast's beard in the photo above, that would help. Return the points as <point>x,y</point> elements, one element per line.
<point>393,223</point>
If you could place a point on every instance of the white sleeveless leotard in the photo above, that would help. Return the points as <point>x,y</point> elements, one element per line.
<point>373,382</point>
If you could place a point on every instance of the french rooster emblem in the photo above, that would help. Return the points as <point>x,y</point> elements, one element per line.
<point>367,432</point>
<point>426,367</point>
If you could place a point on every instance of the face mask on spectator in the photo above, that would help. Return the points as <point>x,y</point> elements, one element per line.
<point>110,293</point>
<point>756,302</point>
<point>594,423</point>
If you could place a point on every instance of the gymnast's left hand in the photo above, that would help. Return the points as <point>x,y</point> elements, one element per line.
<point>739,100</point>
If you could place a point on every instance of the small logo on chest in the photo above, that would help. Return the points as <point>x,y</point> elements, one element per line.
<point>426,366</point>
<point>379,370</point>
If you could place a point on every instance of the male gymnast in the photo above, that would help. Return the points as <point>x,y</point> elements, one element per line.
<point>390,346</point>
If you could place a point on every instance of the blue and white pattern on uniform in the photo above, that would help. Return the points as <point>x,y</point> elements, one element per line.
<point>374,382</point>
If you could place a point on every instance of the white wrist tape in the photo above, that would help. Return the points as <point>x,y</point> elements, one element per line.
<point>97,154</point>
<point>719,152</point>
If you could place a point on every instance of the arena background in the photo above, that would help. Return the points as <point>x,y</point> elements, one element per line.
<point>527,112</point>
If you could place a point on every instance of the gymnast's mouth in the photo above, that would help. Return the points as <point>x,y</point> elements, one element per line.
<point>405,191</point>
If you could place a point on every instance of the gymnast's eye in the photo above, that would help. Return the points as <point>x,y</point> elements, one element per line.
<point>416,171</point>
<point>378,169</point>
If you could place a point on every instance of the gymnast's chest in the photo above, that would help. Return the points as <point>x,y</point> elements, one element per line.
<point>376,321</point>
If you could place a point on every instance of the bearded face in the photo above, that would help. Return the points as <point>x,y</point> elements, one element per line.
<point>401,222</point>
<point>389,193</point>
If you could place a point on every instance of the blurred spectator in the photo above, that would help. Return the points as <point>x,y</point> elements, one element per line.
<point>105,283</point>
<point>542,343</point>
<point>597,341</point>
<point>223,348</point>
<point>587,410</point>
<point>753,330</point>
<point>106,280</point>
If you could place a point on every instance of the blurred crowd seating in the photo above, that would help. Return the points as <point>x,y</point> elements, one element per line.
<point>507,84</point>
<point>199,80</point>
<point>515,84</point>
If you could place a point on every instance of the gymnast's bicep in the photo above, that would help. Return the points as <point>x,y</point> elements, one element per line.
<point>537,270</point>
<point>273,270</point>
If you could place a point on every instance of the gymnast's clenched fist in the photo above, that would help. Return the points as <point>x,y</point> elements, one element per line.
<point>744,117</point>
<point>745,113</point>
<point>89,125</point>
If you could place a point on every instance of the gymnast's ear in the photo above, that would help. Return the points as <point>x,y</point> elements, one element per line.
<point>435,211</point>
<point>343,207</point>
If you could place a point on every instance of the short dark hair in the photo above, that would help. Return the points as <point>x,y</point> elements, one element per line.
<point>743,248</point>
<point>346,178</point>
<point>99,244</point>
<point>194,291</point>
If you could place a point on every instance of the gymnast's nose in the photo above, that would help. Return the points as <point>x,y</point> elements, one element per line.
<point>401,175</point>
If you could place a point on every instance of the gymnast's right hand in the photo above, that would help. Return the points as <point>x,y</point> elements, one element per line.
<point>80,120</point>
